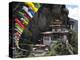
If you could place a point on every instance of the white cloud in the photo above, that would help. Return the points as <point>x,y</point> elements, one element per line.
<point>74,11</point>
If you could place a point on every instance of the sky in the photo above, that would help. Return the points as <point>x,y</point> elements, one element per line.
<point>73,11</point>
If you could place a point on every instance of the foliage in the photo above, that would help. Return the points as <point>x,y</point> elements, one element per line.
<point>74,41</point>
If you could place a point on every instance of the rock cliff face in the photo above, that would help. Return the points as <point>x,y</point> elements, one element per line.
<point>43,18</point>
